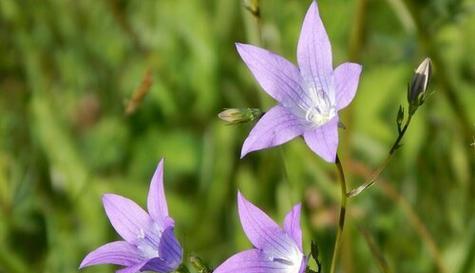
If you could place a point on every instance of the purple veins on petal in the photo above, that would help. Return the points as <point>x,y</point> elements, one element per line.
<point>314,54</point>
<point>251,261</point>
<point>127,218</point>
<point>292,225</point>
<point>277,126</point>
<point>119,253</point>
<point>324,140</point>
<point>133,268</point>
<point>169,248</point>
<point>156,201</point>
<point>280,78</point>
<point>347,77</point>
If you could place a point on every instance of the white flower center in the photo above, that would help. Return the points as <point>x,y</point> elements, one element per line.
<point>292,261</point>
<point>148,243</point>
<point>322,107</point>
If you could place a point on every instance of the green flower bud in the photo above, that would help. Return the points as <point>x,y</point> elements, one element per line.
<point>240,115</point>
<point>416,93</point>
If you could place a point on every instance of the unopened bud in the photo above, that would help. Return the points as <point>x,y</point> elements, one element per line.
<point>416,93</point>
<point>240,115</point>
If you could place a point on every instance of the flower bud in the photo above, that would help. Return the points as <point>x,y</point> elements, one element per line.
<point>416,93</point>
<point>240,115</point>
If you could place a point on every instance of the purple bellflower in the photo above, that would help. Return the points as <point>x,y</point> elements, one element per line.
<point>276,249</point>
<point>309,97</point>
<point>149,240</point>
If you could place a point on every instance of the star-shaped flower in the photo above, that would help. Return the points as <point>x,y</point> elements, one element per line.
<point>149,241</point>
<point>309,97</point>
<point>276,249</point>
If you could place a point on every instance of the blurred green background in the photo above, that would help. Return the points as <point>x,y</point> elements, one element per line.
<point>67,69</point>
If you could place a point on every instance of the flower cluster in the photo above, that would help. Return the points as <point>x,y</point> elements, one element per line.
<point>309,97</point>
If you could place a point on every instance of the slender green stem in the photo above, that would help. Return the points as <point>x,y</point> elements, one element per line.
<point>341,217</point>
<point>385,163</point>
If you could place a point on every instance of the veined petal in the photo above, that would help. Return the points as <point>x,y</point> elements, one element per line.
<point>324,140</point>
<point>170,249</point>
<point>278,77</point>
<point>292,225</point>
<point>303,266</point>
<point>119,253</point>
<point>263,232</point>
<point>156,201</point>
<point>314,53</point>
<point>127,218</point>
<point>133,268</point>
<point>347,77</point>
<point>158,265</point>
<point>251,261</point>
<point>276,127</point>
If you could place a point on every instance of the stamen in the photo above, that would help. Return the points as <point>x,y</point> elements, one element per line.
<point>282,261</point>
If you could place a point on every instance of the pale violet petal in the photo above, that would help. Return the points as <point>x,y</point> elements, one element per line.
<point>133,268</point>
<point>156,200</point>
<point>292,225</point>
<point>119,253</point>
<point>324,140</point>
<point>252,261</point>
<point>170,249</point>
<point>314,53</point>
<point>127,218</point>
<point>278,77</point>
<point>263,232</point>
<point>158,265</point>
<point>276,127</point>
<point>346,78</point>
<point>303,266</point>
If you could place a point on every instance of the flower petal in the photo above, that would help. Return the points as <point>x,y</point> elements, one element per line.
<point>133,268</point>
<point>156,201</point>
<point>158,265</point>
<point>278,77</point>
<point>292,225</point>
<point>276,127</point>
<point>127,218</point>
<point>263,232</point>
<point>303,266</point>
<point>119,253</point>
<point>170,249</point>
<point>314,53</point>
<point>324,140</point>
<point>251,261</point>
<point>347,77</point>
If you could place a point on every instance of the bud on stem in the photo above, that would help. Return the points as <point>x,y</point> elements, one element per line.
<point>416,93</point>
<point>240,115</point>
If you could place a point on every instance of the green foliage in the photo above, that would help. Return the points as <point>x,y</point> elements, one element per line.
<point>68,67</point>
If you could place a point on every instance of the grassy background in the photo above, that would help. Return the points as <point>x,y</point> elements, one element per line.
<point>67,67</point>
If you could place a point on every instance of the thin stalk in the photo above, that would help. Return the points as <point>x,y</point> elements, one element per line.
<point>413,218</point>
<point>375,250</point>
<point>254,36</point>
<point>341,217</point>
<point>385,163</point>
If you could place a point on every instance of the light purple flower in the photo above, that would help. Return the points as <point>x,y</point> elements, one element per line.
<point>149,241</point>
<point>309,97</point>
<point>276,249</point>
